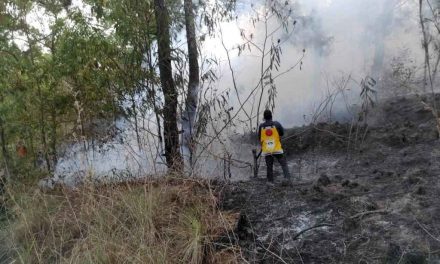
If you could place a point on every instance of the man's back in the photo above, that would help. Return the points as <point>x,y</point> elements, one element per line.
<point>268,123</point>
<point>269,135</point>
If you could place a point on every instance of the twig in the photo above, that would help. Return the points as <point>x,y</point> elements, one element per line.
<point>273,254</point>
<point>427,232</point>
<point>232,73</point>
<point>310,228</point>
<point>299,254</point>
<point>368,213</point>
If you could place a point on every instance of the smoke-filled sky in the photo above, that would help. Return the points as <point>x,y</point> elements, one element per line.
<point>341,37</point>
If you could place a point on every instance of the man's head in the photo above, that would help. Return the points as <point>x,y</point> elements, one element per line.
<point>267,115</point>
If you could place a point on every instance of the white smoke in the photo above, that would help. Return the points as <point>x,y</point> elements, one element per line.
<point>341,37</point>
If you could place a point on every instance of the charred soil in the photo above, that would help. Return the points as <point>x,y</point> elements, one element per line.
<point>374,202</point>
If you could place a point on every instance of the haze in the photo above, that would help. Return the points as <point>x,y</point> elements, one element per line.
<point>341,38</point>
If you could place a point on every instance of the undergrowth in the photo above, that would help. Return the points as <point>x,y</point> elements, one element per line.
<point>162,221</point>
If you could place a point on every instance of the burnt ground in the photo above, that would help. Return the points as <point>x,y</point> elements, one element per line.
<point>374,202</point>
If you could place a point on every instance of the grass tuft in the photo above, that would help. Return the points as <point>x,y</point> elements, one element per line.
<point>162,221</point>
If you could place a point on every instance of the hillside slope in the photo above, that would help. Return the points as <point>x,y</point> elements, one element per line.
<point>376,203</point>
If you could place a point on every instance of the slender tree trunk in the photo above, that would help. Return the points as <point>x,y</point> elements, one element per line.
<point>4,150</point>
<point>152,97</point>
<point>54,136</point>
<point>53,113</point>
<point>425,45</point>
<point>171,134</point>
<point>262,72</point>
<point>136,128</point>
<point>40,98</point>
<point>189,115</point>
<point>30,137</point>
<point>43,130</point>
<point>157,115</point>
<point>428,70</point>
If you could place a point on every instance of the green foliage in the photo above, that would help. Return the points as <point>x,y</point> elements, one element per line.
<point>72,69</point>
<point>61,68</point>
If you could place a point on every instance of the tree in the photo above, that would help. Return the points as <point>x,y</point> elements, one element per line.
<point>189,115</point>
<point>273,24</point>
<point>171,134</point>
<point>431,44</point>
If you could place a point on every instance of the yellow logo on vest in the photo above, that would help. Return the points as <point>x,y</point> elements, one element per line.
<point>270,141</point>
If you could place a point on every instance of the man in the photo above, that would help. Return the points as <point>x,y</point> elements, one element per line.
<point>269,134</point>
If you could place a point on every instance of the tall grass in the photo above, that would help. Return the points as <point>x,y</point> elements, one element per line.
<point>167,221</point>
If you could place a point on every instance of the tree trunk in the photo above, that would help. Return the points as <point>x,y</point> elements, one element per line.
<point>136,127</point>
<point>152,95</point>
<point>41,106</point>
<point>54,154</point>
<point>43,130</point>
<point>428,71</point>
<point>188,118</point>
<point>425,45</point>
<point>4,151</point>
<point>54,142</point>
<point>171,134</point>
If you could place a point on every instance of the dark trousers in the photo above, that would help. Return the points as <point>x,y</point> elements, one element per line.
<point>269,164</point>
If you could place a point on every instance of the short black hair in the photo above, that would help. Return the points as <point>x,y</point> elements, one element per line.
<point>267,115</point>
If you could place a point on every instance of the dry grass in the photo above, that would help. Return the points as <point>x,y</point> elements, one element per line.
<point>167,221</point>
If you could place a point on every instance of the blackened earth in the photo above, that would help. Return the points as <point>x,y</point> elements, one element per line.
<point>373,199</point>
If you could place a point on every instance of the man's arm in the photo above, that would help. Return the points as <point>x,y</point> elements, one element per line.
<point>279,128</point>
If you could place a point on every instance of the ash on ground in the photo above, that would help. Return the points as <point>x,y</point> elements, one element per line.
<point>373,198</point>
